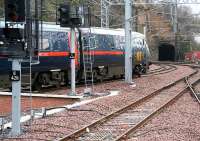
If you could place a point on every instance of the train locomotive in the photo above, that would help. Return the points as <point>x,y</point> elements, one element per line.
<point>108,56</point>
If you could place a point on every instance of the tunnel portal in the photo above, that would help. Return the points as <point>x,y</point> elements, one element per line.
<point>166,52</point>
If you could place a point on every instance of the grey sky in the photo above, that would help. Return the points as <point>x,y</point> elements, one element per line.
<point>195,8</point>
<point>197,39</point>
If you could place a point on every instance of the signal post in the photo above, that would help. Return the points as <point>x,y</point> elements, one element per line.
<point>73,65</point>
<point>15,13</point>
<point>128,49</point>
<point>16,96</point>
<point>70,17</point>
<point>13,47</point>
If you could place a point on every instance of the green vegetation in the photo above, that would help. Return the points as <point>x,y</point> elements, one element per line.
<point>50,8</point>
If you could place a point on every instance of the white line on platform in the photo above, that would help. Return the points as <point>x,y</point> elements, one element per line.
<point>42,95</point>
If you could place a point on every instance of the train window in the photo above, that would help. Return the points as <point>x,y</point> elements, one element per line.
<point>119,42</point>
<point>85,41</point>
<point>143,41</point>
<point>134,44</point>
<point>139,44</point>
<point>100,39</point>
<point>45,45</point>
<point>111,43</point>
<point>59,46</point>
<point>59,41</point>
<point>92,41</point>
<point>54,41</point>
<point>45,42</point>
<point>105,41</point>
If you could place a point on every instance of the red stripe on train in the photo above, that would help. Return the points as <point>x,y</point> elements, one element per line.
<point>107,52</point>
<point>57,54</point>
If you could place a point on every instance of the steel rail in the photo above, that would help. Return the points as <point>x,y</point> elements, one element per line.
<point>157,69</point>
<point>161,70</point>
<point>192,89</point>
<point>117,112</point>
<point>171,101</point>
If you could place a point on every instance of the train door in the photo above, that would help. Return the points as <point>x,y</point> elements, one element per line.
<point>120,49</point>
<point>102,51</point>
<point>116,47</point>
<point>48,51</point>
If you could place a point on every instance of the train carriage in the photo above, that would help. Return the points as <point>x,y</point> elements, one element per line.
<point>107,47</point>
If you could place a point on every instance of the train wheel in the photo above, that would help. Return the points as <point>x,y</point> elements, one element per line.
<point>95,76</point>
<point>44,79</point>
<point>58,84</point>
<point>66,79</point>
<point>102,74</point>
<point>37,86</point>
<point>144,70</point>
<point>101,78</point>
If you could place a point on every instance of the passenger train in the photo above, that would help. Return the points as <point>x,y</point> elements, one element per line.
<point>108,52</point>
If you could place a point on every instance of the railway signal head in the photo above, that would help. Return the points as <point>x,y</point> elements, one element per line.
<point>12,15</point>
<point>15,10</point>
<point>64,15</point>
<point>69,16</point>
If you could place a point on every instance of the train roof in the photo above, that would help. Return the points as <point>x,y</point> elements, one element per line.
<point>48,26</point>
<point>97,30</point>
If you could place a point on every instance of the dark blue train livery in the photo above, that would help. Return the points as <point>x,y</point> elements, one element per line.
<point>107,47</point>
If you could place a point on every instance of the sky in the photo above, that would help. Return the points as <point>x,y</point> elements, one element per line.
<point>197,39</point>
<point>195,8</point>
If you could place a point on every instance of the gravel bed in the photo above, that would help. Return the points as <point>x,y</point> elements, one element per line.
<point>120,85</point>
<point>133,116</point>
<point>102,88</point>
<point>197,89</point>
<point>179,122</point>
<point>68,121</point>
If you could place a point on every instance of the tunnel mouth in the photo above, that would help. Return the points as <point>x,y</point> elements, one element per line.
<point>166,52</point>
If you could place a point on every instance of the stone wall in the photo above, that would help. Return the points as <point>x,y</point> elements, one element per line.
<point>159,28</point>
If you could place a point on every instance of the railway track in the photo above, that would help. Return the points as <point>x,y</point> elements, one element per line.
<point>161,70</point>
<point>119,124</point>
<point>197,96</point>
